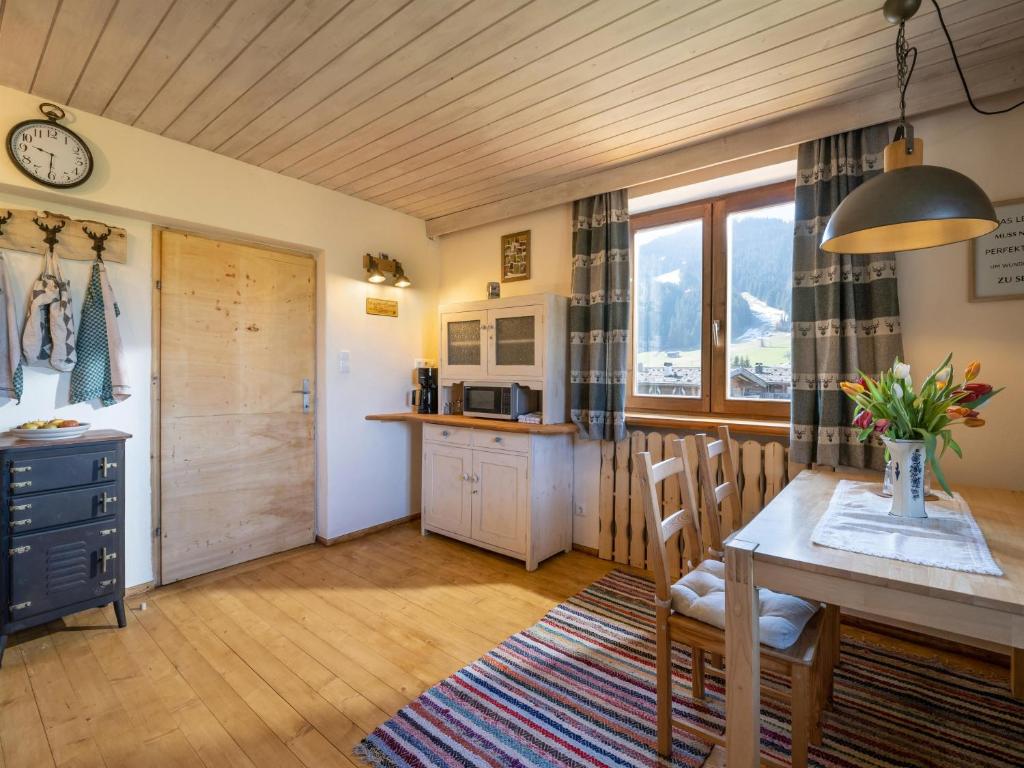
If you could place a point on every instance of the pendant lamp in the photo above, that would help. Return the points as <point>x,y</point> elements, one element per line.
<point>910,205</point>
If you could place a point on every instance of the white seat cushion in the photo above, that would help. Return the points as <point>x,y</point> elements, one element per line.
<point>700,594</point>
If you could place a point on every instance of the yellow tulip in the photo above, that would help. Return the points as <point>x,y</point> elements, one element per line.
<point>973,369</point>
<point>974,422</point>
<point>851,387</point>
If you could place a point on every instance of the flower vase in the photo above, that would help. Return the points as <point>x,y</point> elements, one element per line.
<point>908,467</point>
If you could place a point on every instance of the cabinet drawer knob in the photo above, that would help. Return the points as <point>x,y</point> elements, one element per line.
<point>445,433</point>
<point>497,439</point>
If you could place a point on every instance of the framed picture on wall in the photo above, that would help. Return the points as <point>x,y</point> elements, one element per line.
<point>515,257</point>
<point>996,269</point>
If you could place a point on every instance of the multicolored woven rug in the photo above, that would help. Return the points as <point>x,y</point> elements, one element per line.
<point>577,689</point>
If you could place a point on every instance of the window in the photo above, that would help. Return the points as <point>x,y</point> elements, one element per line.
<point>711,305</point>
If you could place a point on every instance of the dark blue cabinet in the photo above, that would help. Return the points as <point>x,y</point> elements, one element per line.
<point>62,534</point>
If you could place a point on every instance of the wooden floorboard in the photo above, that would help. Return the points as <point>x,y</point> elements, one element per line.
<point>279,663</point>
<point>285,661</point>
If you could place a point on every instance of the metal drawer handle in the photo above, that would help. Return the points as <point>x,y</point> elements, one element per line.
<point>108,582</point>
<point>20,507</point>
<point>19,550</point>
<point>106,465</point>
<point>16,523</point>
<point>106,557</point>
<point>22,484</point>
<point>105,499</point>
<point>16,470</point>
<point>21,606</point>
<point>108,531</point>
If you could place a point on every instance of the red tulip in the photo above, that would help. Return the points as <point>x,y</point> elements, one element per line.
<point>863,421</point>
<point>974,390</point>
<point>881,425</point>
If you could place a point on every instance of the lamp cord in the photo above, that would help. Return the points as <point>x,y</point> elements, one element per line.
<point>959,69</point>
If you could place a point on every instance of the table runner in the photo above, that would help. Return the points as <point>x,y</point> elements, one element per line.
<point>858,520</point>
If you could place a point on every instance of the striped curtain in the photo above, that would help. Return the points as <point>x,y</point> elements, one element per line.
<point>846,313</point>
<point>599,315</point>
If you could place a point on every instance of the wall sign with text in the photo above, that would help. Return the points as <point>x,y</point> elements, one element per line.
<point>997,259</point>
<point>382,307</point>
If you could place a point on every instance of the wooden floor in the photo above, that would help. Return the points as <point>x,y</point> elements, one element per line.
<point>287,661</point>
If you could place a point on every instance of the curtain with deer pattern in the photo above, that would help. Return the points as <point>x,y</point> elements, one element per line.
<point>846,315</point>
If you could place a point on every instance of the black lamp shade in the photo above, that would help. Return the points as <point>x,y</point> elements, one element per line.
<point>920,206</point>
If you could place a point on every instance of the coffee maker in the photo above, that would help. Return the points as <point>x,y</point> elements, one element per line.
<point>425,398</point>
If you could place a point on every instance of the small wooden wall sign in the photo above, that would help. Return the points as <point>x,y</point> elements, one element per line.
<point>382,307</point>
<point>997,259</point>
<point>20,233</point>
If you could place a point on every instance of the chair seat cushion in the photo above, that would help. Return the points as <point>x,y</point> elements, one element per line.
<point>700,594</point>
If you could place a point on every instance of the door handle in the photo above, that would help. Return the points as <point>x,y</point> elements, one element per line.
<point>305,392</point>
<point>106,557</point>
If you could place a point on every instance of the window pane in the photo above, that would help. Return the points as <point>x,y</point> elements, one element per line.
<point>760,249</point>
<point>514,340</point>
<point>464,342</point>
<point>668,289</point>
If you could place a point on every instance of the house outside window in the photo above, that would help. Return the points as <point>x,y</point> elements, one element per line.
<point>711,328</point>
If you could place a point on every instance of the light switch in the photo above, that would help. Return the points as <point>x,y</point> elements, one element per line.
<point>345,361</point>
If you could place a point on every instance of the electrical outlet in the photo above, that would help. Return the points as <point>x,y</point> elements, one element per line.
<point>345,361</point>
<point>422,362</point>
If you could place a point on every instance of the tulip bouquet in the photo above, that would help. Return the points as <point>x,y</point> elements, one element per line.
<point>890,407</point>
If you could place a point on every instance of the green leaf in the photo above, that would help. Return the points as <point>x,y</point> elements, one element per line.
<point>929,443</point>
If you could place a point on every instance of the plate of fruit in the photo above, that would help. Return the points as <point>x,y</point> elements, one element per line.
<point>50,429</point>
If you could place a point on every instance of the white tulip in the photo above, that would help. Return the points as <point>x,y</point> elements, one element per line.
<point>897,390</point>
<point>944,374</point>
<point>902,370</point>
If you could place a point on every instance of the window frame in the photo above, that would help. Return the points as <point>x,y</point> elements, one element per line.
<point>714,305</point>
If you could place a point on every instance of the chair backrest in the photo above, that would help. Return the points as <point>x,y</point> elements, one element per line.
<point>661,530</point>
<point>723,513</point>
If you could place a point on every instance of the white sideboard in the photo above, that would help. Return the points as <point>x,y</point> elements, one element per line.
<point>505,491</point>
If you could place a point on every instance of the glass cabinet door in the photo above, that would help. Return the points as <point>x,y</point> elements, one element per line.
<point>516,336</point>
<point>463,352</point>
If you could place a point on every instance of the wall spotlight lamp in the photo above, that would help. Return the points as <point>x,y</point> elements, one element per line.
<point>380,266</point>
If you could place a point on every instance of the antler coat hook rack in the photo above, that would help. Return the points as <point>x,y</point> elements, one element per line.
<point>99,241</point>
<point>51,230</point>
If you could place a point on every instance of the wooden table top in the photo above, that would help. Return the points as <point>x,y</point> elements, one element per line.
<point>782,532</point>
<point>496,425</point>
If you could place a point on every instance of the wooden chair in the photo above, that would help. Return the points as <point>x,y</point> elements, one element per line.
<point>724,498</point>
<point>801,662</point>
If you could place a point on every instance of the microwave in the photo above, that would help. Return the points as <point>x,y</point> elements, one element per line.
<point>498,401</point>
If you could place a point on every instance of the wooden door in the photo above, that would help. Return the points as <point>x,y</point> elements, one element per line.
<point>500,500</point>
<point>463,353</point>
<point>515,340</point>
<point>446,488</point>
<point>237,459</point>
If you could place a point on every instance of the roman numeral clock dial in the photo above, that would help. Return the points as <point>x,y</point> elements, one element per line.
<point>48,152</point>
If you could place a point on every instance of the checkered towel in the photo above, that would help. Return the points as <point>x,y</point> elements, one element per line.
<point>101,373</point>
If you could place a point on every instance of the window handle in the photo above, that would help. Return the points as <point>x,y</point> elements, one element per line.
<point>716,333</point>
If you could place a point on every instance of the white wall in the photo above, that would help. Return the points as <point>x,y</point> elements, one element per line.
<point>141,178</point>
<point>937,318</point>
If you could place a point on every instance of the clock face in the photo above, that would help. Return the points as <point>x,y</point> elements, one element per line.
<point>49,153</point>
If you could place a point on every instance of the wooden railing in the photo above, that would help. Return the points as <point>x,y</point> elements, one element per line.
<point>763,470</point>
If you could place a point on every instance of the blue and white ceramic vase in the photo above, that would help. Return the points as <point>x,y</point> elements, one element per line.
<point>908,469</point>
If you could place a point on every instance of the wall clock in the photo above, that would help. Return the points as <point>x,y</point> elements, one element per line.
<point>49,153</point>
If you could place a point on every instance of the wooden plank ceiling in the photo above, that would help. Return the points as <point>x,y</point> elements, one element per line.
<point>433,107</point>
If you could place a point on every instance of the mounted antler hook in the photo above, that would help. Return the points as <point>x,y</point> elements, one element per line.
<point>50,230</point>
<point>4,220</point>
<point>99,241</point>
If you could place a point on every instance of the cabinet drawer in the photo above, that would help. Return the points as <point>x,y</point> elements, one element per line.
<point>51,569</point>
<point>436,433</point>
<point>48,510</point>
<point>32,474</point>
<point>502,441</point>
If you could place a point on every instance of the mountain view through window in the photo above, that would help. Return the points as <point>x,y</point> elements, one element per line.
<point>669,298</point>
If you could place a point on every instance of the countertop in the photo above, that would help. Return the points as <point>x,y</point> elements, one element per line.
<point>496,425</point>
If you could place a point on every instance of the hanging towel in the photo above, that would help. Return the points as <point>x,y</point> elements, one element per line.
<point>10,341</point>
<point>101,372</point>
<point>49,335</point>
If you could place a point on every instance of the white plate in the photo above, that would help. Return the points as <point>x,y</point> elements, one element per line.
<point>61,433</point>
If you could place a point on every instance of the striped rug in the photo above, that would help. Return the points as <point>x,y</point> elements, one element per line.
<point>577,689</point>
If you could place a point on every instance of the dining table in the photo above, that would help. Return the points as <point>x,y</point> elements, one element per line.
<point>775,550</point>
